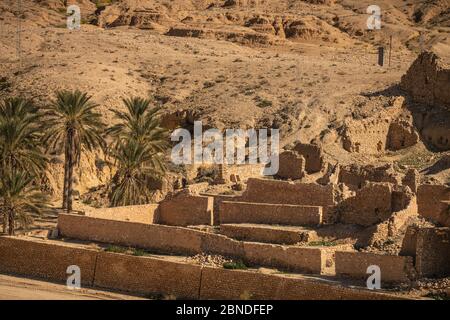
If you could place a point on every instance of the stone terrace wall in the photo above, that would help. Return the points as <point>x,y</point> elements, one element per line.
<point>262,213</point>
<point>226,284</point>
<point>285,192</point>
<point>167,239</point>
<point>218,199</point>
<point>393,268</point>
<point>44,260</point>
<point>150,275</point>
<point>299,259</point>
<point>185,209</point>
<point>157,237</point>
<point>143,213</point>
<point>147,275</point>
<point>430,201</point>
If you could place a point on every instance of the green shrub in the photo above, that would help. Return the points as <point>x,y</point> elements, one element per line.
<point>234,265</point>
<point>116,249</point>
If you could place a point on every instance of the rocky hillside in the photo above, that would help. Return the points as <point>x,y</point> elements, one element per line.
<point>305,67</point>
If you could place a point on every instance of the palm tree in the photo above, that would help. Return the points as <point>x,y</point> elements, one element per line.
<point>137,164</point>
<point>20,129</point>
<point>21,198</point>
<point>137,151</point>
<point>73,125</point>
<point>140,122</point>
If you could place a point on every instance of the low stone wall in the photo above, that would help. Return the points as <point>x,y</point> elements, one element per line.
<point>298,259</point>
<point>142,213</point>
<point>263,213</point>
<point>430,201</point>
<point>355,264</point>
<point>151,275</point>
<point>185,209</point>
<point>45,260</point>
<point>258,233</point>
<point>147,275</point>
<point>168,239</point>
<point>160,238</point>
<point>238,285</point>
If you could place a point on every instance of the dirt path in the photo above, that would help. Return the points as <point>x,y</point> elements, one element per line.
<point>14,288</point>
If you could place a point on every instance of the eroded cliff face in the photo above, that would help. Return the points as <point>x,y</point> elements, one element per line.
<point>428,78</point>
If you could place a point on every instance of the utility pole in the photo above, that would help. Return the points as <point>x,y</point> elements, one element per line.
<point>390,50</point>
<point>19,33</point>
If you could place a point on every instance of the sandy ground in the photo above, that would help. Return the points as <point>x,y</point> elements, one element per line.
<point>15,288</point>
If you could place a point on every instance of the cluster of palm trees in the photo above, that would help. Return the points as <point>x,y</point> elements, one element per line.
<point>70,125</point>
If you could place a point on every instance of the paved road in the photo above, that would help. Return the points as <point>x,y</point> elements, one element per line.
<point>15,288</point>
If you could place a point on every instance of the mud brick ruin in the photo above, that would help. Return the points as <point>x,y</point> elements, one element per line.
<point>364,157</point>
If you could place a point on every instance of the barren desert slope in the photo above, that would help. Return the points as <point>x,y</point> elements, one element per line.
<point>308,68</point>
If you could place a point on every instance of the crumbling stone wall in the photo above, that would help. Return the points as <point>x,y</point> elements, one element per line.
<point>411,179</point>
<point>371,205</point>
<point>401,134</point>
<point>433,202</point>
<point>291,165</point>
<point>355,177</point>
<point>428,79</point>
<point>238,173</point>
<point>438,135</point>
<point>390,130</point>
<point>431,249</point>
<point>313,155</point>
<point>366,136</point>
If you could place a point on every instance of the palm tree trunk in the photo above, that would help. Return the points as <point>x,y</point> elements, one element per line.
<point>66,173</point>
<point>11,215</point>
<point>70,166</point>
<point>5,220</point>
